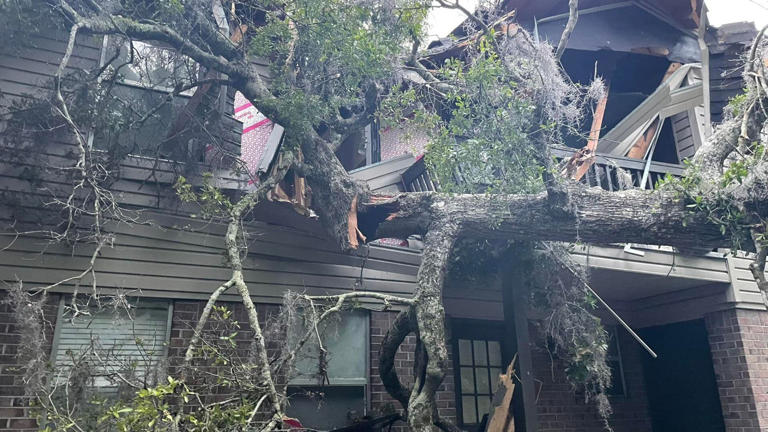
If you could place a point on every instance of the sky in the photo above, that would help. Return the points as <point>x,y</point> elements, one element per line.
<point>442,21</point>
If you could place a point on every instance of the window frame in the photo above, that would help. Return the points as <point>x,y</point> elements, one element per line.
<point>474,330</point>
<point>56,340</point>
<point>299,385</point>
<point>107,44</point>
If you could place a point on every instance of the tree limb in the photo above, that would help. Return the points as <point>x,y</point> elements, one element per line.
<point>573,16</point>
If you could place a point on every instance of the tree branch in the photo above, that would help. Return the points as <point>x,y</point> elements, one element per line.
<point>573,16</point>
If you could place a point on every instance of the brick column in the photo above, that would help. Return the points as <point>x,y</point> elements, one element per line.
<point>738,340</point>
<point>381,402</point>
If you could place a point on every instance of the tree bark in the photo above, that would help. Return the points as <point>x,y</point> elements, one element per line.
<point>430,316</point>
<point>632,216</point>
<point>403,326</point>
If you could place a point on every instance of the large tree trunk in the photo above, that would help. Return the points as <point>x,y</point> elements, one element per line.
<point>596,216</point>
<point>430,317</point>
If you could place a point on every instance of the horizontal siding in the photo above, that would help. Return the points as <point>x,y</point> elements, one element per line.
<point>184,264</point>
<point>744,287</point>
<point>655,262</point>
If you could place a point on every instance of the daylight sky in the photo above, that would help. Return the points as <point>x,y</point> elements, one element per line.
<point>443,21</point>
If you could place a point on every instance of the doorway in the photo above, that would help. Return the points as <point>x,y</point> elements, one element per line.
<point>680,383</point>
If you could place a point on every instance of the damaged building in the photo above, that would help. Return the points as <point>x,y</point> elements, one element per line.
<point>669,76</point>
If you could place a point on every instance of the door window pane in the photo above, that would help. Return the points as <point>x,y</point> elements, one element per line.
<point>481,355</point>
<point>481,374</point>
<point>465,352</point>
<point>483,406</point>
<point>494,353</point>
<point>467,380</point>
<point>469,414</point>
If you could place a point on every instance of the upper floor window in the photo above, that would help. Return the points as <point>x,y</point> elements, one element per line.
<point>149,111</point>
<point>154,66</point>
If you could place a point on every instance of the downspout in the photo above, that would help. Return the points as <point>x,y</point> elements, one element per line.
<point>705,70</point>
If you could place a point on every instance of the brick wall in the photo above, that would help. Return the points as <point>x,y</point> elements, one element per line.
<point>14,414</point>
<point>561,409</point>
<point>183,322</point>
<point>738,340</point>
<point>381,402</point>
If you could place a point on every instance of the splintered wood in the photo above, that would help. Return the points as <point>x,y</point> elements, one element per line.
<point>502,419</point>
<point>354,232</point>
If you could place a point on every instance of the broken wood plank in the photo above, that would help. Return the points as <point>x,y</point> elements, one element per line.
<point>587,154</point>
<point>640,148</point>
<point>502,419</point>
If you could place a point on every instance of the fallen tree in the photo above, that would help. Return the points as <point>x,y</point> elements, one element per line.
<point>492,117</point>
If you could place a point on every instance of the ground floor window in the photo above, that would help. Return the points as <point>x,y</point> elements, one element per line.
<point>335,397</point>
<point>478,362</point>
<point>114,344</point>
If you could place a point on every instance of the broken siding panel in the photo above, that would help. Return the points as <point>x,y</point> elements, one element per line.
<point>683,133</point>
<point>386,175</point>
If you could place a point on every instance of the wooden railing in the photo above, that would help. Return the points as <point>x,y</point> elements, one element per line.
<point>635,173</point>
<point>604,173</point>
<point>417,178</point>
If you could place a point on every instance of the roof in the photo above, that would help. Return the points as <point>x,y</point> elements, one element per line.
<point>679,12</point>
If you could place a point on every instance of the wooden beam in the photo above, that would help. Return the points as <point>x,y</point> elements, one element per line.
<point>640,148</point>
<point>501,419</point>
<point>587,154</point>
<point>515,303</point>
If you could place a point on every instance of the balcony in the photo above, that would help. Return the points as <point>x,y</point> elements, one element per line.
<point>604,173</point>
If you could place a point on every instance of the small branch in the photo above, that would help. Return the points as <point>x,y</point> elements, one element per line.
<point>573,16</point>
<point>201,322</point>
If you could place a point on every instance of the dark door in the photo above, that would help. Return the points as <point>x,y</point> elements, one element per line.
<point>681,387</point>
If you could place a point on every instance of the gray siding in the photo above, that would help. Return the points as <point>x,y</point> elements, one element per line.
<point>167,261</point>
<point>27,72</point>
<point>744,288</point>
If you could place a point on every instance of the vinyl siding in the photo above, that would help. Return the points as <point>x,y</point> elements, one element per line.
<point>166,261</point>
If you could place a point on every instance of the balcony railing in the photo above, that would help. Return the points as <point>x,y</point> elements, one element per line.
<point>636,173</point>
<point>604,173</point>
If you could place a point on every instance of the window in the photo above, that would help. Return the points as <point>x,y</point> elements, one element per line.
<point>114,344</point>
<point>613,358</point>
<point>478,362</point>
<point>141,119</point>
<point>339,400</point>
<point>154,67</point>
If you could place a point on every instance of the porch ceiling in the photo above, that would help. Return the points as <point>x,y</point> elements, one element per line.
<point>627,274</point>
<point>627,286</point>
